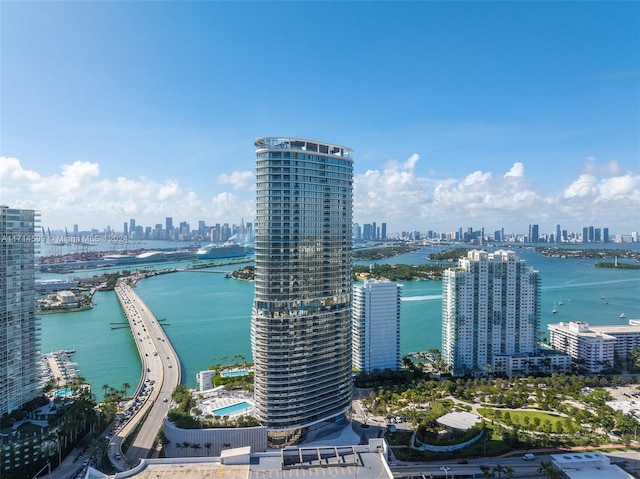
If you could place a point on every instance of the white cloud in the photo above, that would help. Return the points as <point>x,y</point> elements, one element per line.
<point>238,179</point>
<point>78,194</point>
<point>12,173</point>
<point>397,194</point>
<point>583,186</point>
<point>607,196</point>
<point>516,171</point>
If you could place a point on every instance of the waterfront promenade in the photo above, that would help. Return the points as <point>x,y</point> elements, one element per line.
<point>160,376</point>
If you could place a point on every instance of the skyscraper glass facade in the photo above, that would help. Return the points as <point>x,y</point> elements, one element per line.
<point>301,318</point>
<point>19,373</point>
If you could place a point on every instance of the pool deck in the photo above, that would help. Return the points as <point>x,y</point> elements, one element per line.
<point>209,406</point>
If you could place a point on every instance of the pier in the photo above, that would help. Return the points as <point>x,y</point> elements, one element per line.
<point>160,376</point>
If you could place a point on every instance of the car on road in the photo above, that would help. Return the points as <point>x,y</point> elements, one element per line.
<point>529,457</point>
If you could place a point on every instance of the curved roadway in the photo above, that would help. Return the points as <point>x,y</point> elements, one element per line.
<point>160,376</point>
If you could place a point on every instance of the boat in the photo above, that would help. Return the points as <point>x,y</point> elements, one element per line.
<point>560,303</point>
<point>230,249</point>
<point>555,309</point>
<point>623,316</point>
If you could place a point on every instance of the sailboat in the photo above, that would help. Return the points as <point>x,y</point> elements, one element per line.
<point>555,309</point>
<point>560,303</point>
<point>623,315</point>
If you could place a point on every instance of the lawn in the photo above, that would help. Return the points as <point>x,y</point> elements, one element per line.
<point>535,419</point>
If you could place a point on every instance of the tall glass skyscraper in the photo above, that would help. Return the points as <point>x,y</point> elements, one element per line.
<point>301,319</point>
<point>19,373</point>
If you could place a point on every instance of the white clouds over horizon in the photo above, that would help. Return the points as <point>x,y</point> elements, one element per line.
<point>600,194</point>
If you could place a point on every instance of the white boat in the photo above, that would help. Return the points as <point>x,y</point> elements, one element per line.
<point>555,309</point>
<point>623,315</point>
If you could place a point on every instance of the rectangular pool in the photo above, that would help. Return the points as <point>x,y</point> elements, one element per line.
<point>230,374</point>
<point>233,408</point>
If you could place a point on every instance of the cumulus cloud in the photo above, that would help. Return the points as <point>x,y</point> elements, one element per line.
<point>405,194</point>
<point>238,179</point>
<point>395,190</point>
<point>516,171</point>
<point>79,192</point>
<point>12,173</point>
<point>607,195</point>
<point>583,186</point>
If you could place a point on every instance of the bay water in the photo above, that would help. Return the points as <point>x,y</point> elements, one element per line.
<point>207,316</point>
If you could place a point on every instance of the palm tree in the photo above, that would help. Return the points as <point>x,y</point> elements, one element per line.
<point>125,386</point>
<point>106,388</point>
<point>499,469</point>
<point>486,472</point>
<point>547,469</point>
<point>509,471</point>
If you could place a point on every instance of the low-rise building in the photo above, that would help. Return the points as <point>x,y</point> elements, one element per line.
<point>587,465</point>
<point>594,347</point>
<point>205,379</point>
<point>544,361</point>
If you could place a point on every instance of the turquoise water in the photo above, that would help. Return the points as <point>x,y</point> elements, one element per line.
<point>103,355</point>
<point>64,392</point>
<point>232,374</point>
<point>224,411</point>
<point>208,316</point>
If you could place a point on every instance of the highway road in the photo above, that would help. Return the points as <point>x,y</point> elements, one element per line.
<point>160,376</point>
<point>522,469</point>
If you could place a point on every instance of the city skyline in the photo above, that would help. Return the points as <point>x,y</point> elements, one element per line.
<point>533,120</point>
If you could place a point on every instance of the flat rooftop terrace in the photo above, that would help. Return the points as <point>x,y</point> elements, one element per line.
<point>340,462</point>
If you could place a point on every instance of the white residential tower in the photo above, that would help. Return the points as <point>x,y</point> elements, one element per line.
<point>490,307</point>
<point>376,325</point>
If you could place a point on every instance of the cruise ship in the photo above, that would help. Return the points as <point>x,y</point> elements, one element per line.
<point>230,249</point>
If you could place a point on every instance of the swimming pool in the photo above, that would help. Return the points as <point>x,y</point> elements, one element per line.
<point>64,392</point>
<point>230,374</point>
<point>227,410</point>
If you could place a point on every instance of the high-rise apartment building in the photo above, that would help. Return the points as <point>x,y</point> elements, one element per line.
<point>376,325</point>
<point>19,377</point>
<point>301,318</point>
<point>490,307</point>
<point>168,227</point>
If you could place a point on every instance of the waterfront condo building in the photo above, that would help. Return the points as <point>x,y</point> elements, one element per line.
<point>595,348</point>
<point>301,317</point>
<point>376,325</point>
<point>19,372</point>
<point>490,308</point>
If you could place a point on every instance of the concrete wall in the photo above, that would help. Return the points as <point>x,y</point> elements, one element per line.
<point>219,438</point>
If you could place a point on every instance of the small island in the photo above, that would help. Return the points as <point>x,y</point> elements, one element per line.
<point>382,252</point>
<point>595,253</point>
<point>399,272</point>
<point>616,265</point>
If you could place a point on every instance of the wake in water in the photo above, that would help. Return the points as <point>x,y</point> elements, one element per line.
<point>595,283</point>
<point>428,297</point>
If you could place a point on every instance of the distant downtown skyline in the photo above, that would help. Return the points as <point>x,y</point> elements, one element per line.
<point>204,231</point>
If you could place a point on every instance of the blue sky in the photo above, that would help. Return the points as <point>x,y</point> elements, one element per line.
<point>494,114</point>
